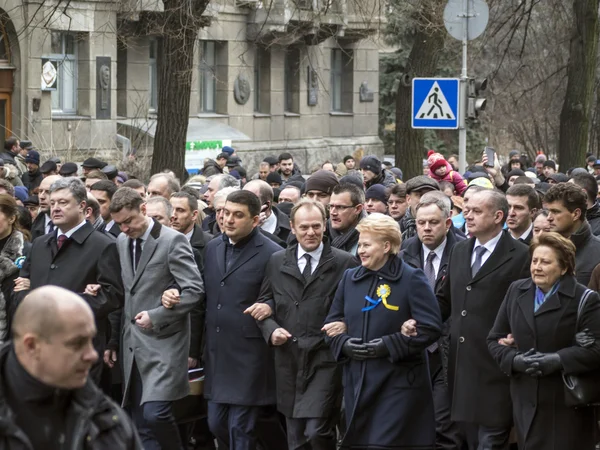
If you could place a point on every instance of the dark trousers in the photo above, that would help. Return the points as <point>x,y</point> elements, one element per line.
<point>310,434</point>
<point>154,420</point>
<point>234,426</point>
<point>486,438</point>
<point>448,434</point>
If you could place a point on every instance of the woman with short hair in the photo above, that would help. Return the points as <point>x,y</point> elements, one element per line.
<point>387,391</point>
<point>534,339</point>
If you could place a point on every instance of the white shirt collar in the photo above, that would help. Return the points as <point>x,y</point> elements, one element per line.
<point>190,234</point>
<point>69,233</point>
<point>489,245</point>
<point>526,233</point>
<point>315,254</point>
<point>439,250</point>
<point>270,223</point>
<point>108,226</point>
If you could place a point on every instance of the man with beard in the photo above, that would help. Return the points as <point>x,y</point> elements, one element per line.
<point>374,174</point>
<point>345,212</point>
<point>287,167</point>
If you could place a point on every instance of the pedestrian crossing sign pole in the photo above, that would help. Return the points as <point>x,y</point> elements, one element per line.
<point>435,103</point>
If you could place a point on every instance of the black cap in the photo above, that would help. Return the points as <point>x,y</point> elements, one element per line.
<point>110,171</point>
<point>550,164</point>
<point>48,166</point>
<point>421,183</point>
<point>274,177</point>
<point>32,200</point>
<point>222,156</point>
<point>93,163</point>
<point>233,161</point>
<point>68,169</point>
<point>272,160</point>
<point>26,145</point>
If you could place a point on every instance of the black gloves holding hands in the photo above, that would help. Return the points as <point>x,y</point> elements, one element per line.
<point>537,364</point>
<point>354,348</point>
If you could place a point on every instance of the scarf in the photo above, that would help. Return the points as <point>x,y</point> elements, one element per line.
<point>12,250</point>
<point>348,239</point>
<point>408,226</point>
<point>540,297</point>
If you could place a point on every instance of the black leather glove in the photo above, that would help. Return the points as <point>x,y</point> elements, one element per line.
<point>355,349</point>
<point>542,364</point>
<point>377,348</point>
<point>585,338</point>
<point>519,365</point>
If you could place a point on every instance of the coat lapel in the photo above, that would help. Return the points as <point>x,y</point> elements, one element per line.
<point>525,301</point>
<point>126,265</point>
<point>501,255</point>
<point>249,251</point>
<point>147,251</point>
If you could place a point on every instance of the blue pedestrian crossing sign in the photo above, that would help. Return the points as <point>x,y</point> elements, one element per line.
<point>435,103</point>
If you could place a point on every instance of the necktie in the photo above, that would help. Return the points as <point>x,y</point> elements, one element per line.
<point>61,240</point>
<point>307,269</point>
<point>430,270</point>
<point>479,252</point>
<point>138,253</point>
<point>50,227</point>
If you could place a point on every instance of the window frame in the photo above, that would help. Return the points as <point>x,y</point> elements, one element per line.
<point>153,76</point>
<point>203,70</point>
<point>60,58</point>
<point>291,81</point>
<point>340,79</point>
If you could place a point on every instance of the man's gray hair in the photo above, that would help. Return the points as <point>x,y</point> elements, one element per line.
<point>166,204</point>
<point>223,193</point>
<point>74,185</point>
<point>172,182</point>
<point>438,199</point>
<point>226,180</point>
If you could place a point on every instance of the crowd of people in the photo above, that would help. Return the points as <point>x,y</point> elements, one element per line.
<point>348,308</point>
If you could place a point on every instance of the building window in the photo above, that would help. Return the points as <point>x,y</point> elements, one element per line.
<point>208,72</point>
<point>4,44</point>
<point>153,76</point>
<point>64,50</point>
<point>262,81</point>
<point>341,80</point>
<point>291,80</point>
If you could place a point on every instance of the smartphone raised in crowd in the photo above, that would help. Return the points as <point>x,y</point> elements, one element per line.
<point>490,153</point>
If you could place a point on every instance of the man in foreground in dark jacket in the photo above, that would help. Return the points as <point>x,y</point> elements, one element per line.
<point>297,291</point>
<point>47,400</point>
<point>567,208</point>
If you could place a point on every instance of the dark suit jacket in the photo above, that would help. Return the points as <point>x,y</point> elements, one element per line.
<point>38,228</point>
<point>198,241</point>
<point>88,257</point>
<point>115,230</point>
<point>480,390</point>
<point>283,229</point>
<point>539,402</point>
<point>238,363</point>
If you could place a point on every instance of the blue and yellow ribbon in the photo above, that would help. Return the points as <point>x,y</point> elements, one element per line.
<point>383,292</point>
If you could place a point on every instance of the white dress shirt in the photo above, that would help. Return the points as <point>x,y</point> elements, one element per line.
<point>144,237</point>
<point>270,224</point>
<point>439,252</point>
<point>47,220</point>
<point>69,233</point>
<point>526,233</point>
<point>489,245</point>
<point>108,226</point>
<point>314,260</point>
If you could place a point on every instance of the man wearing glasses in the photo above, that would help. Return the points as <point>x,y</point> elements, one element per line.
<point>345,212</point>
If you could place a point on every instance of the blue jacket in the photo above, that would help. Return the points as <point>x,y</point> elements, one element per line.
<point>389,402</point>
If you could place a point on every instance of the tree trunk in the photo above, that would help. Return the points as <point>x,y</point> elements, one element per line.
<point>581,72</point>
<point>181,23</point>
<point>422,62</point>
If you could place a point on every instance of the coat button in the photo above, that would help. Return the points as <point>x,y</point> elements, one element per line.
<point>219,306</point>
<point>295,339</point>
<point>130,349</point>
<point>469,288</point>
<point>222,283</point>
<point>53,266</point>
<point>464,313</point>
<point>133,321</point>
<point>296,303</point>
<point>461,339</point>
<point>218,329</point>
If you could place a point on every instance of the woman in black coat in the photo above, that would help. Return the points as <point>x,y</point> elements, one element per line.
<point>387,390</point>
<point>533,341</point>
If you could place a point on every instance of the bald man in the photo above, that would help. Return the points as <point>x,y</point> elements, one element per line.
<point>45,393</point>
<point>43,223</point>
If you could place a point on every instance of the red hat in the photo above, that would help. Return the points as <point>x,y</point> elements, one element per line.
<point>435,160</point>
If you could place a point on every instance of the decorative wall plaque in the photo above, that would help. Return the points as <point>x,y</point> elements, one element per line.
<point>312,82</point>
<point>365,94</point>
<point>103,77</point>
<point>241,89</point>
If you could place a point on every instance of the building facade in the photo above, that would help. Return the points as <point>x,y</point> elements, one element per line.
<point>297,76</point>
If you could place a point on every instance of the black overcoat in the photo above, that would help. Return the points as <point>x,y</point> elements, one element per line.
<point>542,420</point>
<point>480,391</point>
<point>389,403</point>
<point>308,377</point>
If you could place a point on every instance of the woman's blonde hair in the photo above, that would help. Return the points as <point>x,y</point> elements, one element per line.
<point>384,227</point>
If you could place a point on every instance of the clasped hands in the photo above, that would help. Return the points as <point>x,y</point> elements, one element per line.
<point>355,348</point>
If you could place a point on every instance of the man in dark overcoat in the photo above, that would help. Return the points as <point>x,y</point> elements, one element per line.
<point>299,286</point>
<point>75,256</point>
<point>239,372</point>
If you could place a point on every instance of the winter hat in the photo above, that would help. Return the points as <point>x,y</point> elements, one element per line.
<point>435,160</point>
<point>33,157</point>
<point>93,163</point>
<point>513,153</point>
<point>372,163</point>
<point>321,180</point>
<point>550,164</point>
<point>540,158</point>
<point>21,193</point>
<point>68,169</point>
<point>484,182</point>
<point>421,183</point>
<point>347,157</point>
<point>48,166</point>
<point>230,151</point>
<point>397,172</point>
<point>578,170</point>
<point>515,172</point>
<point>377,192</point>
<point>274,177</point>
<point>356,180</point>
<point>235,174</point>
